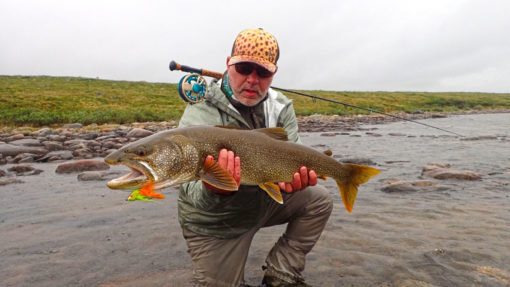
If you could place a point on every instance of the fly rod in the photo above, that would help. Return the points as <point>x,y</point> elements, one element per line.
<point>190,87</point>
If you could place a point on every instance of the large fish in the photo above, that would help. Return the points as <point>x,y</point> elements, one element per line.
<point>177,156</point>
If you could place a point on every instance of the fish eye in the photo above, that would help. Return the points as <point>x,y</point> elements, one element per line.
<point>141,152</point>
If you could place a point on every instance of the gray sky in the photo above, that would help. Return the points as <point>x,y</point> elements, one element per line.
<point>353,45</point>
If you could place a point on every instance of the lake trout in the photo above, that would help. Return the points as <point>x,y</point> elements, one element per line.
<point>176,156</point>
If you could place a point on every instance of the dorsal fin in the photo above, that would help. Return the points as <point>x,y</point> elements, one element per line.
<point>277,133</point>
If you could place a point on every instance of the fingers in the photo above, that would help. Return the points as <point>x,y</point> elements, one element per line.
<point>303,173</point>
<point>237,170</point>
<point>223,158</point>
<point>296,182</point>
<point>312,178</point>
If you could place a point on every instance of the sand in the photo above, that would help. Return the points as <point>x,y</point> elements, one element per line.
<point>58,231</point>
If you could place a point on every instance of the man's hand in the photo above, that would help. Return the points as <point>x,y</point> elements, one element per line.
<point>232,164</point>
<point>302,179</point>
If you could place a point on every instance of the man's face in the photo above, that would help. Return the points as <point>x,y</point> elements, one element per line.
<point>249,89</point>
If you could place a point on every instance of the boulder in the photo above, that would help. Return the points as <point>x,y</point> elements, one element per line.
<point>13,150</point>
<point>82,165</point>
<point>57,155</point>
<point>9,180</point>
<point>26,142</point>
<point>24,170</point>
<point>97,175</point>
<point>139,133</point>
<point>443,171</point>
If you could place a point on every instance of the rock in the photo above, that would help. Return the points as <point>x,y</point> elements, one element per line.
<point>2,173</point>
<point>82,165</point>
<point>24,170</point>
<point>479,138</point>
<point>9,180</point>
<point>396,185</point>
<point>43,132</point>
<point>97,175</point>
<point>15,137</point>
<point>13,150</point>
<point>358,160</point>
<point>53,145</point>
<point>26,142</point>
<point>328,134</point>
<point>397,134</point>
<point>443,171</point>
<point>24,157</point>
<point>73,126</point>
<point>139,133</point>
<point>57,155</point>
<point>373,134</point>
<point>399,187</point>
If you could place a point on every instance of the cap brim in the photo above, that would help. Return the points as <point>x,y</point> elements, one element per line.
<point>268,66</point>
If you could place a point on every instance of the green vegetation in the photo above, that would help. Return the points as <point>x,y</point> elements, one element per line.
<point>42,100</point>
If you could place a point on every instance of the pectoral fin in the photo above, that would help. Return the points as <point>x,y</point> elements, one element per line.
<point>273,190</point>
<point>216,176</point>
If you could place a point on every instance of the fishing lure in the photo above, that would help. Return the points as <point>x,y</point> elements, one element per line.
<point>146,193</point>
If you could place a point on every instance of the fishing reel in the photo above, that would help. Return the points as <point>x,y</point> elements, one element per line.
<point>192,88</point>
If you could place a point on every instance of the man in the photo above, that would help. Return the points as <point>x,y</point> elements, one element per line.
<point>218,226</point>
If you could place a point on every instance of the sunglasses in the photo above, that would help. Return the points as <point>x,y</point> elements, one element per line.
<point>247,68</point>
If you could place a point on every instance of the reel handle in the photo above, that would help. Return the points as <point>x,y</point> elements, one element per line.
<point>176,66</point>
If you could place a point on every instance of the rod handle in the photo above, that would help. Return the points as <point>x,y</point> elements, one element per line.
<point>176,66</point>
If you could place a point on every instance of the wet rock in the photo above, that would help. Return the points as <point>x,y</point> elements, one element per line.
<point>479,138</point>
<point>57,155</point>
<point>53,145</point>
<point>358,160</point>
<point>9,180</point>
<point>139,133</point>
<point>73,126</point>
<point>397,134</point>
<point>82,165</point>
<point>97,175</point>
<point>24,170</point>
<point>27,142</point>
<point>443,171</point>
<point>2,173</point>
<point>328,134</point>
<point>396,185</point>
<point>400,187</point>
<point>373,134</point>
<point>13,150</point>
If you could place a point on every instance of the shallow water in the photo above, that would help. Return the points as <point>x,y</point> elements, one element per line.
<point>57,231</point>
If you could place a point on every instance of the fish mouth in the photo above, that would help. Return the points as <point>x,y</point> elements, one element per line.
<point>136,178</point>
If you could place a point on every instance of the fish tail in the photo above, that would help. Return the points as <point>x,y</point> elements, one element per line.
<point>353,176</point>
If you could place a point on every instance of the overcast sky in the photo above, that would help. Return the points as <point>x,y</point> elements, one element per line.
<point>353,45</point>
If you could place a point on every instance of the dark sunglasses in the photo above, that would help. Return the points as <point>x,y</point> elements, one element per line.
<point>247,68</point>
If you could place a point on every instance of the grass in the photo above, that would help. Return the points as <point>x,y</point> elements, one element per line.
<point>45,101</point>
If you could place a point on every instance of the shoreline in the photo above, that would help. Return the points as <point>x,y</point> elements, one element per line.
<point>306,123</point>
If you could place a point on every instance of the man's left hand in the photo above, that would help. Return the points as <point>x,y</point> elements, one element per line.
<point>302,179</point>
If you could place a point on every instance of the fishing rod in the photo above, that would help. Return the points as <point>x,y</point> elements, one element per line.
<point>192,89</point>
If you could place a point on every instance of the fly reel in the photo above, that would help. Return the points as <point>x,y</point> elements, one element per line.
<point>192,88</point>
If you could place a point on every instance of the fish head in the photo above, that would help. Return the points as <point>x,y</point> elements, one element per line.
<point>163,159</point>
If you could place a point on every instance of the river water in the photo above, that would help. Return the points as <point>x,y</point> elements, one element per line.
<point>58,231</point>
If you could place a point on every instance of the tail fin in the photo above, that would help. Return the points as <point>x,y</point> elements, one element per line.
<point>354,176</point>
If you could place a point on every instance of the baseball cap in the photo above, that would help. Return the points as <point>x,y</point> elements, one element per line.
<point>256,46</point>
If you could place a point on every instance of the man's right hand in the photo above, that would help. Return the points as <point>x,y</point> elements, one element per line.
<point>232,164</point>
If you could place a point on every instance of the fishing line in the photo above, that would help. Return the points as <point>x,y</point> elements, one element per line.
<point>192,89</point>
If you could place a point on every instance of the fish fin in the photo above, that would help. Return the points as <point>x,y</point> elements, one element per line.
<point>277,133</point>
<point>216,176</point>
<point>328,152</point>
<point>357,174</point>
<point>321,176</point>
<point>273,190</point>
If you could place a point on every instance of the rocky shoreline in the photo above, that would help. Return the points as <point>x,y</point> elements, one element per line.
<point>76,141</point>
